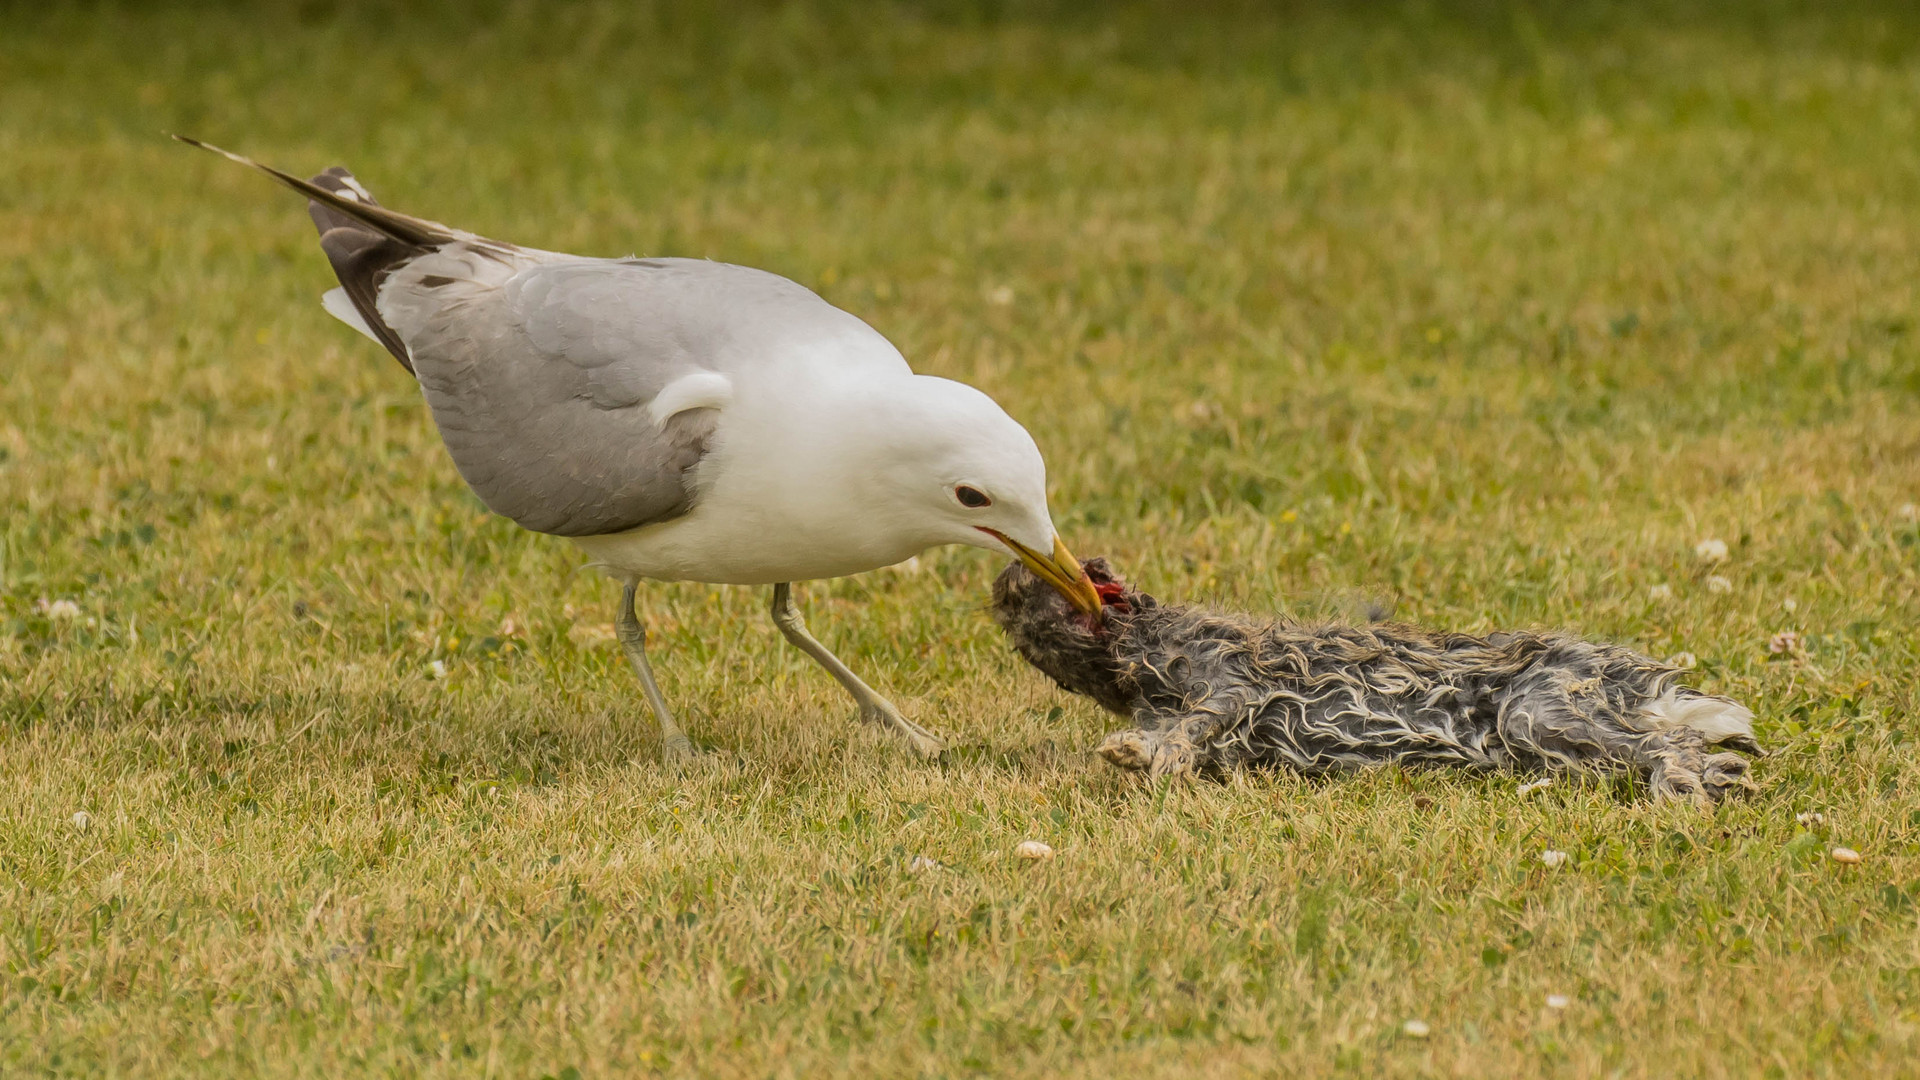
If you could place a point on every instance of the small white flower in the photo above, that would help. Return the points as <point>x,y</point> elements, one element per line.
<point>1685,661</point>
<point>1554,859</point>
<point>1789,605</point>
<point>1001,296</point>
<point>1718,584</point>
<point>1711,550</point>
<point>1845,855</point>
<point>63,609</point>
<point>1811,818</point>
<point>1032,849</point>
<point>1660,593</point>
<point>437,669</point>
<point>1558,1001</point>
<point>1909,512</point>
<point>81,820</point>
<point>921,864</point>
<point>1532,786</point>
<point>1784,643</point>
<point>1415,1029</point>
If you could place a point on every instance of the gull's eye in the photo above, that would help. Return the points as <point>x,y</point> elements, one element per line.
<point>971,498</point>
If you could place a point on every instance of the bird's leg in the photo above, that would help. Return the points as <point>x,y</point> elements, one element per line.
<point>675,747</point>
<point>873,707</point>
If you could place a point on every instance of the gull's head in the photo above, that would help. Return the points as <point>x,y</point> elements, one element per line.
<point>953,468</point>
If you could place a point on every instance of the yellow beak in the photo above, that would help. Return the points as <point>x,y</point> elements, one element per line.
<point>1060,570</point>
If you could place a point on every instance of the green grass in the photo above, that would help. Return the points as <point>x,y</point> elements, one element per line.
<point>1492,311</point>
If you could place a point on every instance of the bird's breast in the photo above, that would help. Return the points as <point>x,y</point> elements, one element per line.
<point>750,547</point>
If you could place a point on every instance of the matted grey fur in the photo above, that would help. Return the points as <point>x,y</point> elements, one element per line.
<point>1210,692</point>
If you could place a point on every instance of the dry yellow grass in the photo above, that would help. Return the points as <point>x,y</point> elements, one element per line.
<point>1493,313</point>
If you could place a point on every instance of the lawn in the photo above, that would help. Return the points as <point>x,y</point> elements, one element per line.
<point>1487,312</point>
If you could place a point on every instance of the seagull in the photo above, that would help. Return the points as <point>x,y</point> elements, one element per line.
<point>685,420</point>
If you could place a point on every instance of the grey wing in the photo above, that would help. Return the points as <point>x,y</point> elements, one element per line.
<point>543,371</point>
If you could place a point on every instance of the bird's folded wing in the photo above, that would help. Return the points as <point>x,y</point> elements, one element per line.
<point>577,396</point>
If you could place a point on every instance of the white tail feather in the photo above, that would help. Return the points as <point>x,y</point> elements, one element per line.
<point>338,306</point>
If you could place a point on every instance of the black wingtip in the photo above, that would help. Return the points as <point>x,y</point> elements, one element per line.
<point>402,227</point>
<point>207,146</point>
<point>212,149</point>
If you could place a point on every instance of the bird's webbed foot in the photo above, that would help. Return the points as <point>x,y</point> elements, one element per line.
<point>677,750</point>
<point>873,708</point>
<point>880,711</point>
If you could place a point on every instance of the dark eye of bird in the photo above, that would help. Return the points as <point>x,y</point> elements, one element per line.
<point>972,498</point>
